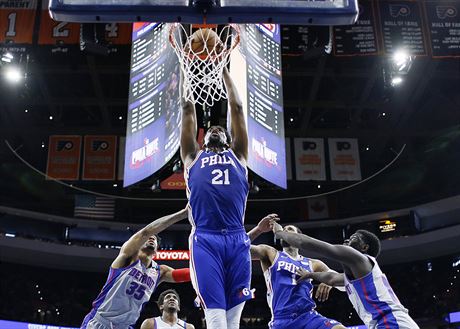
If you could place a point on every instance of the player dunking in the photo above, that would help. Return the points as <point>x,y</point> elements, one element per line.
<point>133,277</point>
<point>217,189</point>
<point>366,285</point>
<point>291,303</point>
<point>169,304</point>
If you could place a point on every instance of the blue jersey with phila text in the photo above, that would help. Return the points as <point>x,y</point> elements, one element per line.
<point>285,297</point>
<point>217,189</point>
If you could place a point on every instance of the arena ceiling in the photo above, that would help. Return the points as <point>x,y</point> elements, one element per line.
<point>324,96</point>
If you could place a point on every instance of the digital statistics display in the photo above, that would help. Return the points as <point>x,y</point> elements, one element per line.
<point>153,125</point>
<point>256,69</point>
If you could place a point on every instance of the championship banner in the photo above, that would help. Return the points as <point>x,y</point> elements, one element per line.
<point>172,255</point>
<point>57,33</point>
<point>99,157</point>
<point>344,159</point>
<point>63,157</point>
<point>309,159</point>
<point>360,38</point>
<point>402,26</point>
<point>443,19</point>
<point>318,208</point>
<point>17,19</point>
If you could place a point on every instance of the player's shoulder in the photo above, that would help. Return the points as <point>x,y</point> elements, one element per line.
<point>189,326</point>
<point>148,323</point>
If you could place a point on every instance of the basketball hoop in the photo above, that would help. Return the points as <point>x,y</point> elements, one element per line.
<point>202,65</point>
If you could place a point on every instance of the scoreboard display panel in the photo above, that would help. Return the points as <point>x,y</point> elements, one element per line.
<point>256,69</point>
<point>152,132</point>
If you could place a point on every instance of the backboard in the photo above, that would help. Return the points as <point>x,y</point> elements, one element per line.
<point>303,12</point>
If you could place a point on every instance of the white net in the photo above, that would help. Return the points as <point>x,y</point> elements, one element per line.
<point>203,55</point>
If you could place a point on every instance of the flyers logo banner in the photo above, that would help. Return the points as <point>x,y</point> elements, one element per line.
<point>64,157</point>
<point>344,159</point>
<point>99,160</point>
<point>397,10</point>
<point>309,159</point>
<point>446,11</point>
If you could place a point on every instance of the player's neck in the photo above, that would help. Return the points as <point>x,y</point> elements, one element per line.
<point>145,258</point>
<point>169,317</point>
<point>293,252</point>
<point>216,149</point>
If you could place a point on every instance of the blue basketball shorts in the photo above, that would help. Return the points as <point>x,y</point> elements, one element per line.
<point>307,320</point>
<point>220,268</point>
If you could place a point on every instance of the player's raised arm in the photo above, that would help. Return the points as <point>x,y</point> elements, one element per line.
<point>238,131</point>
<point>188,144</point>
<point>129,250</point>
<point>356,261</point>
<point>263,226</point>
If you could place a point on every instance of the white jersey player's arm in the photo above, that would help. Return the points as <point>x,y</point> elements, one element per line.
<point>238,128</point>
<point>319,266</point>
<point>331,278</point>
<point>130,248</point>
<point>350,257</point>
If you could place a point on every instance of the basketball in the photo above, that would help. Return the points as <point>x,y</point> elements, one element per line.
<point>204,41</point>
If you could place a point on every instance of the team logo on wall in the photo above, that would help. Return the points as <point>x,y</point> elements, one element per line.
<point>397,10</point>
<point>99,145</point>
<point>446,11</point>
<point>64,146</point>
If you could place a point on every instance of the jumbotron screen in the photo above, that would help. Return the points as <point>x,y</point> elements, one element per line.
<point>256,69</point>
<point>154,120</point>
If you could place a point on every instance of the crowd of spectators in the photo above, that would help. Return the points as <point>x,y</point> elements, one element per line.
<point>429,289</point>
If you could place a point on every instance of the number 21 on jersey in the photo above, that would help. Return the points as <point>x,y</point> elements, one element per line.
<point>220,177</point>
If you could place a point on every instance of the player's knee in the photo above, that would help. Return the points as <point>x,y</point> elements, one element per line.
<point>215,318</point>
<point>234,315</point>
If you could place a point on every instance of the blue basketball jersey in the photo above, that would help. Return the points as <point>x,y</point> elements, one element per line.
<point>217,189</point>
<point>285,297</point>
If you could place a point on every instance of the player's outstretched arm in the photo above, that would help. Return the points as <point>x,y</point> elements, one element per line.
<point>130,248</point>
<point>346,255</point>
<point>238,131</point>
<point>171,275</point>
<point>263,226</point>
<point>330,278</point>
<point>188,144</point>
<point>266,254</point>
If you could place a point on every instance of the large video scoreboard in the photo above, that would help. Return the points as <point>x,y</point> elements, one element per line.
<point>256,69</point>
<point>152,132</point>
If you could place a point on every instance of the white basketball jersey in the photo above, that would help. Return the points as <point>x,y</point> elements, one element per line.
<point>160,324</point>
<point>120,301</point>
<point>376,303</point>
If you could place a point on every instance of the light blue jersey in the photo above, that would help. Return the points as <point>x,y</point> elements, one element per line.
<point>120,301</point>
<point>376,303</point>
<point>217,188</point>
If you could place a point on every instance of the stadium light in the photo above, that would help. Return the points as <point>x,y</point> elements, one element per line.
<point>402,61</point>
<point>396,81</point>
<point>13,74</point>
